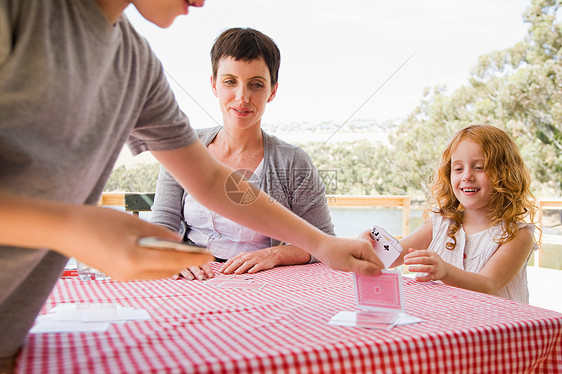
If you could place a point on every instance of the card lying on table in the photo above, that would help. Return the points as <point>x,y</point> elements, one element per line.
<point>375,320</point>
<point>86,317</point>
<point>235,281</point>
<point>241,284</point>
<point>386,246</point>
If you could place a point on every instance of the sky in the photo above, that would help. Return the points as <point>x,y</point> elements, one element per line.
<point>360,59</point>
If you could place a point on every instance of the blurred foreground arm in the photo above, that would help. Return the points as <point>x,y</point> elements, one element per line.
<point>101,237</point>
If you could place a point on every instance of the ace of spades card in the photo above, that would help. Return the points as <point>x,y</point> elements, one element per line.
<point>386,246</point>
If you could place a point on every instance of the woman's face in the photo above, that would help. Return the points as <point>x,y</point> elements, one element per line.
<point>243,89</point>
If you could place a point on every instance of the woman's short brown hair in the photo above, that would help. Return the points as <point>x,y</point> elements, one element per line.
<point>246,44</point>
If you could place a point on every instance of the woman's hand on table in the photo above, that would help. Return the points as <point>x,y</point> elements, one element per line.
<point>251,262</point>
<point>196,272</point>
<point>246,262</point>
<point>264,259</point>
<point>428,264</point>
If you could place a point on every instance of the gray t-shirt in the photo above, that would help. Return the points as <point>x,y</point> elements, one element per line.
<point>73,90</point>
<point>289,176</point>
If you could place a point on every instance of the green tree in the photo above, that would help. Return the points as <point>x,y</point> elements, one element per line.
<point>518,89</point>
<point>141,178</point>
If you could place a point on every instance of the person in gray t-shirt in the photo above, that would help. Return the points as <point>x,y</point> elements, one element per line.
<point>76,83</point>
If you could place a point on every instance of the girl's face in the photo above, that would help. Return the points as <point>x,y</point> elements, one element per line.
<point>163,12</point>
<point>469,180</point>
<point>243,89</point>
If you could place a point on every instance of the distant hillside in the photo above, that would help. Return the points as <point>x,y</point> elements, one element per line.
<point>355,125</point>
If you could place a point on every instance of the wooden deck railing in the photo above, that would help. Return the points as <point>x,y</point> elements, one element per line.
<point>133,202</point>
<point>404,202</point>
<point>544,205</point>
<point>136,202</point>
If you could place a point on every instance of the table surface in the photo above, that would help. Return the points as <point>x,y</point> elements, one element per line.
<point>283,327</point>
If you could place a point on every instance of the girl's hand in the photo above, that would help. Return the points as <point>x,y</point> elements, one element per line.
<point>427,262</point>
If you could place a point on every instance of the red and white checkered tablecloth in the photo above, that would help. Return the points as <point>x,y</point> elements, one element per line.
<point>283,327</point>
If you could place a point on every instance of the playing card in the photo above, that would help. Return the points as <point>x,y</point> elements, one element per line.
<point>381,292</point>
<point>366,320</point>
<point>215,281</point>
<point>375,320</point>
<point>249,285</point>
<point>157,243</point>
<point>372,320</point>
<point>380,303</point>
<point>386,246</point>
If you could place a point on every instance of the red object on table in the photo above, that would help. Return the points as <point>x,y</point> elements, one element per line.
<point>69,273</point>
<point>283,327</point>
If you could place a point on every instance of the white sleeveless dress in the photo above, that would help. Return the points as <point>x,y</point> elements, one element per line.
<point>473,251</point>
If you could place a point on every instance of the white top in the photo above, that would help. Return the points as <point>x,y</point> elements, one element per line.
<point>478,248</point>
<point>224,237</point>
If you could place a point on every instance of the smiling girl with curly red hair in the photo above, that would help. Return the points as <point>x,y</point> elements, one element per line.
<point>477,237</point>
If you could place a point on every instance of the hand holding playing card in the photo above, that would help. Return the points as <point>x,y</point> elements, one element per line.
<point>386,246</point>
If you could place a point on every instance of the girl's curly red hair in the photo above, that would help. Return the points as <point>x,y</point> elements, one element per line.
<point>511,201</point>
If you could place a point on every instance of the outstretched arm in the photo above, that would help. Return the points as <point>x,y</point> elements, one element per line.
<point>206,179</point>
<point>101,237</point>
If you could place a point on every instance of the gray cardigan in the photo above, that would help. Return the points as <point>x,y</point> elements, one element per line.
<point>289,177</point>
